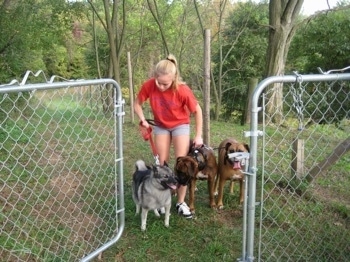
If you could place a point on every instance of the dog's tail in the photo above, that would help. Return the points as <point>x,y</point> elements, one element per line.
<point>141,165</point>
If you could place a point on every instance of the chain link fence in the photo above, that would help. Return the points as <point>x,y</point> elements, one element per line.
<point>301,168</point>
<point>60,170</point>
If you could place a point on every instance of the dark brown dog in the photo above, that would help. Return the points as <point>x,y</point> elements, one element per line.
<point>230,168</point>
<point>199,164</point>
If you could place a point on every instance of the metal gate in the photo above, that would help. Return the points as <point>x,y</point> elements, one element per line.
<point>61,181</point>
<point>298,204</point>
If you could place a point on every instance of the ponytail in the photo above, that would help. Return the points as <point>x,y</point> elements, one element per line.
<point>169,66</point>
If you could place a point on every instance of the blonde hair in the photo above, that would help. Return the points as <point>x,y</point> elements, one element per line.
<point>169,66</point>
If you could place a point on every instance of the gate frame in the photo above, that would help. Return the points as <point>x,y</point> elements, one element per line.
<point>250,204</point>
<point>16,87</point>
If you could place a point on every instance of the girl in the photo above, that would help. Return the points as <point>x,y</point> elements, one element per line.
<point>171,101</point>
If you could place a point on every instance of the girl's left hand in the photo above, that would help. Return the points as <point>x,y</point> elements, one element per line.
<point>198,141</point>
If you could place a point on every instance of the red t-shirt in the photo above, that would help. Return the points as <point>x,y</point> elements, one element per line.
<point>170,108</point>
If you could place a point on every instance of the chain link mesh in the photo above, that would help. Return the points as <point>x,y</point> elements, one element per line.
<point>57,174</point>
<point>305,213</point>
<point>58,184</point>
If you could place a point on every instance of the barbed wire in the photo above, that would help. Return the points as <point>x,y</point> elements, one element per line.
<point>333,70</point>
<point>29,73</point>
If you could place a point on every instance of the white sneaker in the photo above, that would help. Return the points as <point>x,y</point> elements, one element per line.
<point>184,210</point>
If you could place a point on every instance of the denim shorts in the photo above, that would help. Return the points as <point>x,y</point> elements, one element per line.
<point>175,131</point>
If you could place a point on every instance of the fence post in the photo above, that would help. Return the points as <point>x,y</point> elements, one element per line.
<point>131,90</point>
<point>206,88</point>
<point>298,158</point>
<point>252,83</point>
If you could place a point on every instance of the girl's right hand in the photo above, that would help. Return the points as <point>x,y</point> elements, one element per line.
<point>144,123</point>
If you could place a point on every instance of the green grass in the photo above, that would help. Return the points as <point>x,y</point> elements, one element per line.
<point>300,221</point>
<point>217,235</point>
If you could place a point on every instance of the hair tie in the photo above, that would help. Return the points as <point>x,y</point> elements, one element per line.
<point>171,60</point>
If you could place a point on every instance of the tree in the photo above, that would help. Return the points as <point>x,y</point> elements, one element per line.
<point>114,23</point>
<point>243,47</point>
<point>213,15</point>
<point>43,40</point>
<point>19,39</point>
<point>323,41</point>
<point>283,15</point>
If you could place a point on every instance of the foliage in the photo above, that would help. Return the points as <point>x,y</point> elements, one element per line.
<point>40,41</point>
<point>322,42</point>
<point>68,39</point>
<point>16,41</point>
<point>247,31</point>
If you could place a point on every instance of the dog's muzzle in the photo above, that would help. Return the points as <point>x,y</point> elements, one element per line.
<point>238,159</point>
<point>169,183</point>
<point>182,178</point>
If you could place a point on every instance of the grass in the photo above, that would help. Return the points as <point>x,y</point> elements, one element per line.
<point>64,143</point>
<point>292,210</point>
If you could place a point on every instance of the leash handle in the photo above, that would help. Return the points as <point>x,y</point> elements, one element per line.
<point>147,135</point>
<point>151,122</point>
<point>145,132</point>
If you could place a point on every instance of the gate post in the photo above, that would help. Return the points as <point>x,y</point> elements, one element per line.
<point>252,83</point>
<point>297,164</point>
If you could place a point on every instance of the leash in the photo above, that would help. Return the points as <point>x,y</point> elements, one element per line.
<point>147,135</point>
<point>152,122</point>
<point>218,148</point>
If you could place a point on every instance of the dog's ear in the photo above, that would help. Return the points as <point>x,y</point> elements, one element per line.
<point>180,164</point>
<point>247,147</point>
<point>178,159</point>
<point>191,166</point>
<point>155,169</point>
<point>227,146</point>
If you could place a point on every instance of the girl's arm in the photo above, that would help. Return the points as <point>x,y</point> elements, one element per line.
<point>198,117</point>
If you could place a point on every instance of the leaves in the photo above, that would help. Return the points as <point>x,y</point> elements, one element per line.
<point>323,42</point>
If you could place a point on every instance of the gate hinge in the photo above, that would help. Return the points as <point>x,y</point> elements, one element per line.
<point>120,103</point>
<point>253,133</point>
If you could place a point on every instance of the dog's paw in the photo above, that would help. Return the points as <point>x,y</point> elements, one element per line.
<point>216,193</point>
<point>220,207</point>
<point>143,227</point>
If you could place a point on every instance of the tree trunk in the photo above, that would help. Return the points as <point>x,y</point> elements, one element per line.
<point>115,29</point>
<point>246,116</point>
<point>154,11</point>
<point>283,16</point>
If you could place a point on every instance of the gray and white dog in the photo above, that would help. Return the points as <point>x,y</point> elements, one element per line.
<point>151,190</point>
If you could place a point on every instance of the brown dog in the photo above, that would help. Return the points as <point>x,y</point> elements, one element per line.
<point>230,168</point>
<point>199,164</point>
